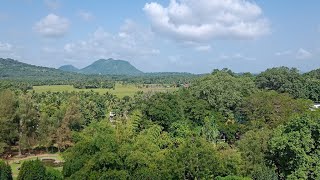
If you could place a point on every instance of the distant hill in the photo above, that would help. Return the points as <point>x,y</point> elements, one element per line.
<point>69,68</point>
<point>104,70</point>
<point>106,67</point>
<point>10,68</point>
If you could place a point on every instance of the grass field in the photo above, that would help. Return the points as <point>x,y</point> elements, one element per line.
<point>15,166</point>
<point>120,90</point>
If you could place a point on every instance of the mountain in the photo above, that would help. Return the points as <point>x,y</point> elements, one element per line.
<point>69,68</point>
<point>117,70</point>
<point>106,67</point>
<point>10,68</point>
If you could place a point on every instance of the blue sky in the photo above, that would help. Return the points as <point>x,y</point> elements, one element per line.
<point>170,35</point>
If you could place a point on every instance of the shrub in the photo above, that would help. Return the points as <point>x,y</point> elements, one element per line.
<point>53,174</point>
<point>32,170</point>
<point>5,171</point>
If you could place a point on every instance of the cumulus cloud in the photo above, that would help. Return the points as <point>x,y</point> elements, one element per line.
<point>8,51</point>
<point>131,42</point>
<point>85,15</point>
<point>203,20</point>
<point>303,54</point>
<point>298,54</point>
<point>5,47</point>
<point>52,26</point>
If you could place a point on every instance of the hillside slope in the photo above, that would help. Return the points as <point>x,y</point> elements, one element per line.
<point>10,68</point>
<point>69,68</point>
<point>111,67</point>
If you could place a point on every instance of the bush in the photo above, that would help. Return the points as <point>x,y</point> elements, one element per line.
<point>5,171</point>
<point>232,178</point>
<point>32,170</point>
<point>53,174</point>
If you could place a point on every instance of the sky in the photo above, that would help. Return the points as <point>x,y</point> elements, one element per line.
<point>194,36</point>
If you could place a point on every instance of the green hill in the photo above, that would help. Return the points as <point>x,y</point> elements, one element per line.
<point>10,68</point>
<point>111,67</point>
<point>69,68</point>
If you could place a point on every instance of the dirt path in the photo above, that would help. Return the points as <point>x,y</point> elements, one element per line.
<point>57,157</point>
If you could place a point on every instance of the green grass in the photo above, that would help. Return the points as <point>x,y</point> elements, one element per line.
<point>15,166</point>
<point>120,90</point>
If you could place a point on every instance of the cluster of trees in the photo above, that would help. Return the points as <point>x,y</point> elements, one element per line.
<point>225,126</point>
<point>32,120</point>
<point>94,84</point>
<point>286,80</point>
<point>35,169</point>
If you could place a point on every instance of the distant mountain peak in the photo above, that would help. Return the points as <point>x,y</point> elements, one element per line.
<point>106,67</point>
<point>68,68</point>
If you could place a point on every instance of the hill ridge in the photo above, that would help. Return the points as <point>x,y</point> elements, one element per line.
<point>106,67</point>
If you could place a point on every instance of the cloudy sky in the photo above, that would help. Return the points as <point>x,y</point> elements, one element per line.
<point>168,35</point>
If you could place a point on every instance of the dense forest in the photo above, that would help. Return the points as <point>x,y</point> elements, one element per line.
<point>224,126</point>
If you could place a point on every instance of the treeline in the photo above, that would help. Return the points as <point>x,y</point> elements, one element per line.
<point>224,126</point>
<point>94,84</point>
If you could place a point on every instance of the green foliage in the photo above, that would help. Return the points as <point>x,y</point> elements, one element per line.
<point>53,174</point>
<point>209,130</point>
<point>32,170</point>
<point>271,109</point>
<point>5,171</point>
<point>223,92</point>
<point>285,80</point>
<point>294,148</point>
<point>281,79</point>
<point>8,128</point>
<point>164,109</point>
<point>220,126</point>
<point>152,153</point>
<point>232,178</point>
<point>254,147</point>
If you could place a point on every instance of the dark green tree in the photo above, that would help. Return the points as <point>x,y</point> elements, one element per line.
<point>5,171</point>
<point>32,170</point>
<point>295,148</point>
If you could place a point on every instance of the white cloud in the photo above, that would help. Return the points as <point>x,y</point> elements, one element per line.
<point>85,15</point>
<point>283,53</point>
<point>303,54</point>
<point>130,43</point>
<point>52,4</point>
<point>203,48</point>
<point>5,47</point>
<point>203,20</point>
<point>236,56</point>
<point>298,54</point>
<point>52,26</point>
<point>8,51</point>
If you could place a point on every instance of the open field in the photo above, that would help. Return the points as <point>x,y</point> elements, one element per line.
<point>120,90</point>
<point>15,166</point>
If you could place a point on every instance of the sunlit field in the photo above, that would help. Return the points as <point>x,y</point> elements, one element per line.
<point>120,90</point>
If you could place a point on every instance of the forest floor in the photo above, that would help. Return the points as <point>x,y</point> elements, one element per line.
<point>16,162</point>
<point>120,90</point>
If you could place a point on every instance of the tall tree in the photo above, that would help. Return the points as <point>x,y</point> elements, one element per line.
<point>28,122</point>
<point>223,91</point>
<point>8,128</point>
<point>295,148</point>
